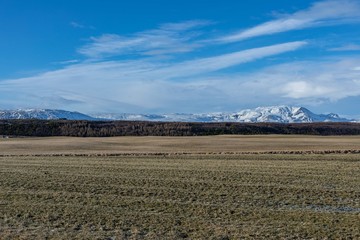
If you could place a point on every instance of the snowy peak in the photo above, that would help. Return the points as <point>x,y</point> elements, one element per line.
<point>44,114</point>
<point>277,114</point>
<point>285,114</point>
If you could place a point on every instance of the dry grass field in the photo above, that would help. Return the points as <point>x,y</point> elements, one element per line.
<point>184,196</point>
<point>205,144</point>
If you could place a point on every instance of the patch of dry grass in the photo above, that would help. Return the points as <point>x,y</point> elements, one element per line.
<point>181,196</point>
<point>215,144</point>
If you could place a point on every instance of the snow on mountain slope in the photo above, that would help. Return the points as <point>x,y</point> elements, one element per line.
<point>280,114</point>
<point>45,114</point>
<point>283,114</point>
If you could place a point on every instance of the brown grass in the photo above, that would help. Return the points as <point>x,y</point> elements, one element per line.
<point>208,144</point>
<point>194,196</point>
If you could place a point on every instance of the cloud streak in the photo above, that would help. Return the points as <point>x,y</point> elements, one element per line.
<point>147,74</point>
<point>80,26</point>
<point>141,84</point>
<point>211,64</point>
<point>168,38</point>
<point>331,12</point>
<point>347,47</point>
<point>311,80</point>
<point>183,37</point>
<point>124,87</point>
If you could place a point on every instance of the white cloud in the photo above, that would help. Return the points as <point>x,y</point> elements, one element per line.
<point>211,64</point>
<point>67,62</point>
<point>76,25</point>
<point>323,79</point>
<point>152,84</point>
<point>79,25</point>
<point>122,86</point>
<point>183,37</point>
<point>347,47</point>
<point>168,38</point>
<point>139,86</point>
<point>184,26</point>
<point>303,89</point>
<point>330,12</point>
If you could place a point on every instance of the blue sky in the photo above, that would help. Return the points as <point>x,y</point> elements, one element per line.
<point>180,56</point>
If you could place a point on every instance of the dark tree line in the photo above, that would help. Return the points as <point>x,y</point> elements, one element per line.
<point>139,128</point>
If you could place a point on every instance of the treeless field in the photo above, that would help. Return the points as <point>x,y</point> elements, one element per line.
<point>207,144</point>
<point>191,196</point>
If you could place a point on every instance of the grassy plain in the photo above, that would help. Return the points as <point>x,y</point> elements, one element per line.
<point>194,196</point>
<point>206,144</point>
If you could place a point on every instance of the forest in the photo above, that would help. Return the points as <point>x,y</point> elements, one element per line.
<point>40,128</point>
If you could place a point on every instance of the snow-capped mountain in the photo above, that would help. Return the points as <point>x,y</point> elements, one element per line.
<point>45,114</point>
<point>280,114</point>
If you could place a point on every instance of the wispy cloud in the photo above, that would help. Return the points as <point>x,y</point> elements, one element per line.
<point>184,37</point>
<point>139,86</point>
<point>330,12</point>
<point>76,25</point>
<point>168,38</point>
<point>134,84</point>
<point>140,79</point>
<point>211,64</point>
<point>67,62</point>
<point>331,80</point>
<point>347,47</point>
<point>79,25</point>
<point>299,83</point>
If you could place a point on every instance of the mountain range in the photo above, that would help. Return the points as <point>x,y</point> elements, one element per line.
<point>43,114</point>
<point>279,114</point>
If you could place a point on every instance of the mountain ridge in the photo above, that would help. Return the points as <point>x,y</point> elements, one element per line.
<point>43,114</point>
<point>272,114</point>
<point>277,114</point>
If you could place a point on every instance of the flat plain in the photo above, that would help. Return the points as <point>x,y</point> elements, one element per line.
<point>203,144</point>
<point>216,187</point>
